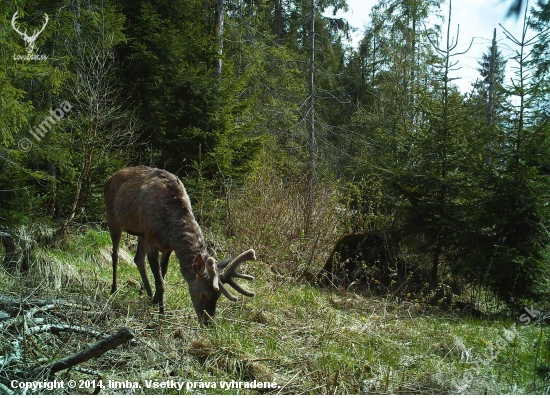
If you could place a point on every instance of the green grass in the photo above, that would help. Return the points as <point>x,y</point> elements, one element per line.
<point>308,340</point>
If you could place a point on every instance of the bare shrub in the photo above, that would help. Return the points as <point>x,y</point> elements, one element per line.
<point>271,214</point>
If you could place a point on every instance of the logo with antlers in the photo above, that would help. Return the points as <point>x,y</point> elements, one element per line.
<point>29,40</point>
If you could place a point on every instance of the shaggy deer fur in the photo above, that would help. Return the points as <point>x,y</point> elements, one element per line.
<point>153,205</point>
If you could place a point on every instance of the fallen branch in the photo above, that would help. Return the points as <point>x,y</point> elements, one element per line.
<point>15,354</point>
<point>30,314</point>
<point>7,323</point>
<point>18,302</point>
<point>94,351</point>
<point>5,390</point>
<point>87,371</point>
<point>60,328</point>
<point>28,317</point>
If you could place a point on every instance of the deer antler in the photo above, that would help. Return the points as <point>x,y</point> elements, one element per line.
<point>231,272</point>
<point>212,272</point>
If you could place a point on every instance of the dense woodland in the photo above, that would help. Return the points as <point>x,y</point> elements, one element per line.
<point>256,101</point>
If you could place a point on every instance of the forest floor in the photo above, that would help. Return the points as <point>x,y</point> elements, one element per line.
<point>299,338</point>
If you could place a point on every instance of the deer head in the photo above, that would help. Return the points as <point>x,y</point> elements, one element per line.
<point>210,282</point>
<point>29,40</point>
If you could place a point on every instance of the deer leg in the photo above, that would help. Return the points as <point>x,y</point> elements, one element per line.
<point>164,263</point>
<point>153,257</point>
<point>115,237</point>
<point>139,259</point>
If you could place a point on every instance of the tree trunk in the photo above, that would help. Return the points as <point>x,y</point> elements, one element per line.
<point>277,23</point>
<point>311,123</point>
<point>311,93</point>
<point>220,11</point>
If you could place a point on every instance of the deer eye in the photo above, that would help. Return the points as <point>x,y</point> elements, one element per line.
<point>205,296</point>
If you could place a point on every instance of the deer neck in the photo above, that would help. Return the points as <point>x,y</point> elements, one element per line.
<point>191,243</point>
<point>186,264</point>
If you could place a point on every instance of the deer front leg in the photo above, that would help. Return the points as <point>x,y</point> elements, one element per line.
<point>153,257</point>
<point>139,259</point>
<point>164,259</point>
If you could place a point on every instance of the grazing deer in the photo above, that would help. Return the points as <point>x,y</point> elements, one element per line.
<point>153,204</point>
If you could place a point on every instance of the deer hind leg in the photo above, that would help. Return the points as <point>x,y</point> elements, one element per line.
<point>115,237</point>
<point>139,259</point>
<point>153,257</point>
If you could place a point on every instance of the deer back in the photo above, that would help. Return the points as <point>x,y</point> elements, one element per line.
<point>153,203</point>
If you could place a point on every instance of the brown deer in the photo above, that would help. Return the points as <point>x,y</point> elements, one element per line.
<point>153,205</point>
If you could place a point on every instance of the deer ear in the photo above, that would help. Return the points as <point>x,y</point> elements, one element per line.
<point>199,265</point>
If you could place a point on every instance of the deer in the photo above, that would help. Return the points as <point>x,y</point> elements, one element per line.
<point>29,40</point>
<point>153,205</point>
